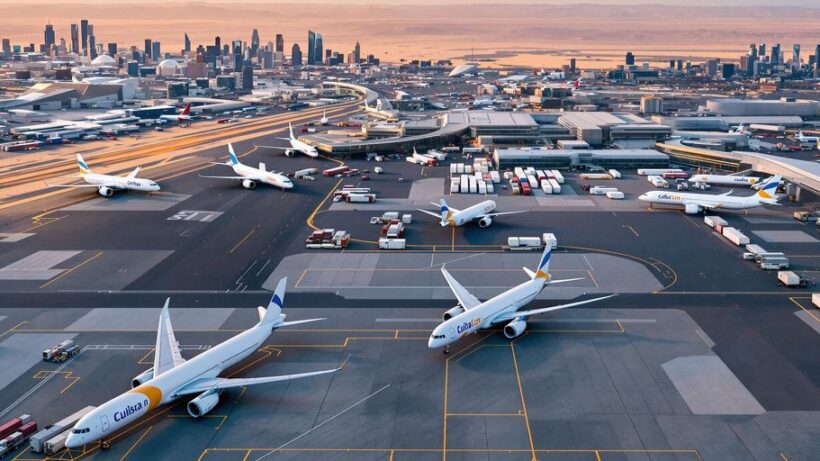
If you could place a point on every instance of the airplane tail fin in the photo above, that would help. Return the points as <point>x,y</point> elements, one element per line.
<point>187,109</point>
<point>767,193</point>
<point>272,316</point>
<point>543,269</point>
<point>446,213</point>
<point>134,173</point>
<point>232,155</point>
<point>83,166</point>
<point>290,127</point>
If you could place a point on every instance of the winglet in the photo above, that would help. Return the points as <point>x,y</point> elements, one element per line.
<point>542,271</point>
<point>232,155</point>
<point>83,166</point>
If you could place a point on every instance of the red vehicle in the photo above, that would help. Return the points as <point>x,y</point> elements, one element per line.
<point>222,120</point>
<point>675,175</point>
<point>335,171</point>
<point>9,427</point>
<point>525,189</point>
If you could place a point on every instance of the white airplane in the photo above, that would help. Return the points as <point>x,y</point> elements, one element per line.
<point>107,184</point>
<point>180,117</point>
<point>472,315</point>
<point>724,180</point>
<point>324,120</point>
<point>250,175</point>
<point>483,212</point>
<point>295,146</point>
<point>575,84</point>
<point>173,377</point>
<point>739,130</point>
<point>696,203</point>
<point>808,139</point>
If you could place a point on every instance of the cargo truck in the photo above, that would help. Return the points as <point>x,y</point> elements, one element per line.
<point>735,236</point>
<point>392,244</point>
<point>13,425</point>
<point>600,190</point>
<point>335,171</point>
<point>524,243</point>
<point>615,195</point>
<point>791,279</point>
<point>657,171</point>
<point>360,198</point>
<point>39,439</point>
<point>550,240</point>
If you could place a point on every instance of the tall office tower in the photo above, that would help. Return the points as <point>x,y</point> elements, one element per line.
<point>266,58</point>
<point>75,39</point>
<point>728,70</point>
<point>317,53</point>
<point>92,46</point>
<point>796,55</point>
<point>679,65</point>
<point>672,64</point>
<point>753,51</point>
<point>311,57</point>
<point>280,43</point>
<point>296,55</point>
<point>187,43</point>
<point>156,54</point>
<point>776,55</point>
<point>218,44</point>
<point>112,49</point>
<point>712,67</point>
<point>147,49</point>
<point>572,63</point>
<point>254,42</point>
<point>49,36</point>
<point>7,46</point>
<point>84,35</point>
<point>247,75</point>
<point>761,50</point>
<point>817,60</point>
<point>328,56</point>
<point>357,53</point>
<point>630,59</point>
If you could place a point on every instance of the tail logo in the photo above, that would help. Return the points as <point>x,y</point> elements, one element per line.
<point>542,273</point>
<point>83,167</point>
<point>276,300</point>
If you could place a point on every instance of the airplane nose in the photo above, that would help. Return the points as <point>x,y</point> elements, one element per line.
<point>73,441</point>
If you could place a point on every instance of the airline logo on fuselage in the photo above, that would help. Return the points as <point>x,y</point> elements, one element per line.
<point>129,410</point>
<point>465,327</point>
<point>668,196</point>
<point>134,183</point>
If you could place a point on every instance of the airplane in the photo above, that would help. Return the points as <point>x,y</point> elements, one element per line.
<point>250,175</point>
<point>471,315</point>
<point>295,146</point>
<point>324,120</point>
<point>575,85</point>
<point>739,130</point>
<point>172,377</point>
<point>696,203</point>
<point>808,139</point>
<point>107,184</point>
<point>725,180</point>
<point>483,212</point>
<point>483,103</point>
<point>180,117</point>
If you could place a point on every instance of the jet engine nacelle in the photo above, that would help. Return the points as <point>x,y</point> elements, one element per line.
<point>515,328</point>
<point>691,208</point>
<point>142,378</point>
<point>289,152</point>
<point>248,183</point>
<point>485,221</point>
<point>105,191</point>
<point>453,312</point>
<point>203,403</point>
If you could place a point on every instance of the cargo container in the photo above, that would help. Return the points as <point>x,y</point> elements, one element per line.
<point>490,188</point>
<point>735,236</point>
<point>752,251</point>
<point>482,187</point>
<point>657,171</point>
<point>658,181</point>
<point>774,264</point>
<point>12,442</point>
<point>55,444</point>
<point>532,180</point>
<point>525,189</point>
<point>468,169</point>
<point>541,175</point>
<point>460,168</point>
<point>39,439</point>
<point>791,279</point>
<point>496,177</point>
<point>392,244</point>
<point>600,190</point>
<point>815,299</point>
<point>524,243</point>
<point>519,171</point>
<point>515,188</point>
<point>335,171</point>
<point>615,174</point>
<point>545,186</point>
<point>454,185</point>
<point>453,168</point>
<point>13,425</point>
<point>550,240</point>
<point>615,195</point>
<point>674,175</point>
<point>556,186</point>
<point>360,198</point>
<point>558,176</point>
<point>305,172</point>
<point>713,221</point>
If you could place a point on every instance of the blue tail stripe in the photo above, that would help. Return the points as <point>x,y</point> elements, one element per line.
<point>276,300</point>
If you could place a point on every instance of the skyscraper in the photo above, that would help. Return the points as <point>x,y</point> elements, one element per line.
<point>75,39</point>
<point>296,55</point>
<point>254,42</point>
<point>247,75</point>
<point>148,47</point>
<point>357,53</point>
<point>49,36</point>
<point>218,44</point>
<point>796,54</point>
<point>92,46</point>
<point>84,35</point>
<point>112,49</point>
<point>156,54</point>
<point>761,50</point>
<point>630,59</point>
<point>317,53</point>
<point>187,43</point>
<point>776,55</point>
<point>280,43</point>
<point>817,60</point>
<point>311,57</point>
<point>6,46</point>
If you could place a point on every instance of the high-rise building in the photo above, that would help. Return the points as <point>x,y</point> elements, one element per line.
<point>328,55</point>
<point>796,55</point>
<point>75,39</point>
<point>112,49</point>
<point>572,63</point>
<point>728,70</point>
<point>630,59</point>
<point>357,53</point>
<point>776,55</point>
<point>712,67</point>
<point>49,36</point>
<point>817,60</point>
<point>92,46</point>
<point>84,35</point>
<point>247,76</point>
<point>280,43</point>
<point>311,57</point>
<point>187,43</point>
<point>761,50</point>
<point>6,46</point>
<point>254,42</point>
<point>147,49</point>
<point>651,105</point>
<point>156,54</point>
<point>317,53</point>
<point>218,44</point>
<point>296,55</point>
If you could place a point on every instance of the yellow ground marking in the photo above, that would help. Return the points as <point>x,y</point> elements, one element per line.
<point>13,329</point>
<point>144,359</point>
<point>523,401</point>
<point>40,220</point>
<point>312,215</point>
<point>688,219</point>
<point>134,445</point>
<point>71,270</point>
<point>221,418</point>
<point>246,237</point>
<point>453,241</point>
<point>241,393</point>
<point>783,457</point>
<point>798,304</point>
<point>44,374</point>
<point>597,455</point>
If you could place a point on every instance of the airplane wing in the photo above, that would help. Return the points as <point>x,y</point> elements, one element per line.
<point>214,384</point>
<point>500,214</point>
<point>465,298</point>
<point>435,215</point>
<point>110,186</point>
<point>166,350</point>
<point>274,147</point>
<point>438,205</point>
<point>705,206</point>
<point>232,177</point>
<point>523,314</point>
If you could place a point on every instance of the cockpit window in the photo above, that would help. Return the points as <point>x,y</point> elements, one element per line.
<point>438,336</point>
<point>84,430</point>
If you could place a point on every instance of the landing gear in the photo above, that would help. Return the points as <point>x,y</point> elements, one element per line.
<point>105,444</point>
<point>446,350</point>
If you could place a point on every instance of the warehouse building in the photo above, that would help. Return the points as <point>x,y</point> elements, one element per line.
<point>756,107</point>
<point>600,128</point>
<point>579,158</point>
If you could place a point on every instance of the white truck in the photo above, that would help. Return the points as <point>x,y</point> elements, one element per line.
<point>392,244</point>
<point>735,236</point>
<point>550,240</point>
<point>38,440</point>
<point>615,195</point>
<point>791,279</point>
<point>524,243</point>
<point>601,190</point>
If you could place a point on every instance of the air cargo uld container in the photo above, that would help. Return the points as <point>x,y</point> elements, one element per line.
<point>600,190</point>
<point>556,186</point>
<point>545,186</point>
<point>615,174</point>
<point>714,221</point>
<point>550,240</point>
<point>558,176</point>
<point>657,171</point>
<point>615,195</point>
<point>735,236</point>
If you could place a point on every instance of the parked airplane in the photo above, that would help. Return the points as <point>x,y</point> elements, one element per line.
<point>107,184</point>
<point>483,212</point>
<point>180,117</point>
<point>250,175</point>
<point>808,139</point>
<point>173,377</point>
<point>739,130</point>
<point>472,315</point>
<point>725,180</point>
<point>575,84</point>
<point>296,146</point>
<point>696,203</point>
<point>324,120</point>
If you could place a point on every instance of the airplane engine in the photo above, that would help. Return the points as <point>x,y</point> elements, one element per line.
<point>515,328</point>
<point>105,191</point>
<point>289,153</point>
<point>485,221</point>
<point>142,378</point>
<point>248,183</point>
<point>691,208</point>
<point>453,312</point>
<point>203,403</point>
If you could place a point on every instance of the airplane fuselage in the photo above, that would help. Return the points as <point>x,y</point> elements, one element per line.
<point>132,405</point>
<point>304,148</point>
<point>725,180</point>
<point>121,183</point>
<point>267,177</point>
<point>469,214</point>
<point>702,200</point>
